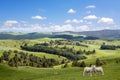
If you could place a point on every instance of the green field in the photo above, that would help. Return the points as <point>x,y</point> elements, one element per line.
<point>111,69</point>
<point>27,73</point>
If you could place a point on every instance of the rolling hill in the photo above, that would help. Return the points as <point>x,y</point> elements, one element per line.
<point>103,34</point>
<point>18,36</point>
<point>58,72</point>
<point>109,34</point>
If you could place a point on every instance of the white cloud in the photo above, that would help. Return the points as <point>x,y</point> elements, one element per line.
<point>90,17</point>
<point>71,11</point>
<point>10,22</point>
<point>69,27</point>
<point>106,20</point>
<point>90,6</point>
<point>59,28</point>
<point>27,27</point>
<point>74,21</point>
<point>82,28</point>
<point>77,21</point>
<point>38,17</point>
<point>68,21</point>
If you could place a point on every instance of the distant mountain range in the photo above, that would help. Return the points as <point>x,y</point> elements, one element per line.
<point>104,34</point>
<point>109,34</point>
<point>17,36</point>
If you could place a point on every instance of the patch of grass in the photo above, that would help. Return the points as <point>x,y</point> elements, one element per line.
<point>29,73</point>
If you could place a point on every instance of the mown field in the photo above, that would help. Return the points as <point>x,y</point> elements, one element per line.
<point>111,69</point>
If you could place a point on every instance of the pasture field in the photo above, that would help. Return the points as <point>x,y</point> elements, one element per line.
<point>111,69</point>
<point>75,73</point>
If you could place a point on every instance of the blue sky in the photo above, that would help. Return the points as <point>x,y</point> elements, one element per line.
<point>59,15</point>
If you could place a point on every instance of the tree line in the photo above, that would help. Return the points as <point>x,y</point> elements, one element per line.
<point>25,59</point>
<point>108,47</point>
<point>61,52</point>
<point>98,62</point>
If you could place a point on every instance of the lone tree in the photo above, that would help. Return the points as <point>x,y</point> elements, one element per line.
<point>98,62</point>
<point>82,64</point>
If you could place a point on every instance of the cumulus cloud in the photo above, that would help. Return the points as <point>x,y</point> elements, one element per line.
<point>68,21</point>
<point>71,11</point>
<point>67,27</point>
<point>38,17</point>
<point>27,27</point>
<point>82,28</point>
<point>10,22</point>
<point>90,17</point>
<point>77,21</point>
<point>106,20</point>
<point>73,21</point>
<point>90,6</point>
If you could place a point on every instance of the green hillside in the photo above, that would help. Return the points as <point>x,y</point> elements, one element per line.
<point>58,72</point>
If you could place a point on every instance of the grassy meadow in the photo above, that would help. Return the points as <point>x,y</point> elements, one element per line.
<point>111,69</point>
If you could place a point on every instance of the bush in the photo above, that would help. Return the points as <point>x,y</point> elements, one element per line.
<point>78,64</point>
<point>99,63</point>
<point>82,64</point>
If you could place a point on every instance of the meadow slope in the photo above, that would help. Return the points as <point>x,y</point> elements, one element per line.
<point>112,69</point>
